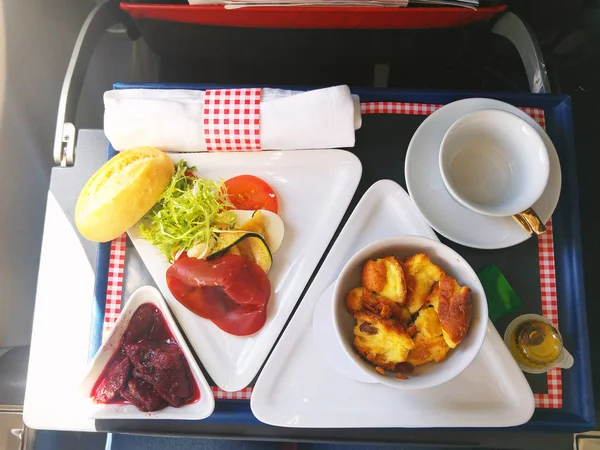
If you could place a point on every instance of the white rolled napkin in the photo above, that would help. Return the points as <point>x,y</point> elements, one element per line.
<point>171,119</point>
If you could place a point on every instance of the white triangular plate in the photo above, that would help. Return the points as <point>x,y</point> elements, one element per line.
<point>301,387</point>
<point>314,188</point>
<point>193,411</point>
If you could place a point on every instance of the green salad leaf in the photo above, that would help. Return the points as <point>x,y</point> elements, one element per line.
<point>188,215</point>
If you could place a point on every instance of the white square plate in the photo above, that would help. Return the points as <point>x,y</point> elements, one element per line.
<point>314,188</point>
<point>193,411</point>
<point>299,387</point>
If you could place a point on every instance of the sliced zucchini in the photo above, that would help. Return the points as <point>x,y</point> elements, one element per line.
<point>228,239</point>
<point>249,245</point>
<point>234,250</point>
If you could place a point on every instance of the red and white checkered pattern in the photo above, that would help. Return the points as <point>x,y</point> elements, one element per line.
<point>553,399</point>
<point>231,119</point>
<point>418,109</point>
<point>424,109</point>
<point>243,394</point>
<point>114,286</point>
<point>547,275</point>
<point>537,114</point>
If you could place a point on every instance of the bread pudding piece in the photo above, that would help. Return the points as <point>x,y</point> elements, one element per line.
<point>359,299</point>
<point>385,276</point>
<point>429,341</point>
<point>428,322</point>
<point>427,349</point>
<point>354,300</point>
<point>421,276</point>
<point>454,307</point>
<point>383,342</point>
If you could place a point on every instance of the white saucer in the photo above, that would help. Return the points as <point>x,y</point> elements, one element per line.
<point>302,387</point>
<point>440,210</point>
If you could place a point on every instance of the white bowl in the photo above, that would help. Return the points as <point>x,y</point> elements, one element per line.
<point>193,411</point>
<point>494,163</point>
<point>453,264</point>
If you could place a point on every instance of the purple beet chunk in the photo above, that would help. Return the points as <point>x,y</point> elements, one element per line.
<point>142,395</point>
<point>113,382</point>
<point>160,330</point>
<point>148,357</point>
<point>141,324</point>
<point>168,357</point>
<point>173,385</point>
<point>164,366</point>
<point>143,376</point>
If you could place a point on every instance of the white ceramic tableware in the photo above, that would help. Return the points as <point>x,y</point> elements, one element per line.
<point>193,411</point>
<point>328,344</point>
<point>449,261</point>
<point>314,188</point>
<point>494,163</point>
<point>449,218</point>
<point>303,384</point>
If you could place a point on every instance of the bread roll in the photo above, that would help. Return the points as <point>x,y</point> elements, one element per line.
<point>121,192</point>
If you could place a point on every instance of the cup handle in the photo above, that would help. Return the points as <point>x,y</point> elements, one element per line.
<point>566,360</point>
<point>521,221</point>
<point>533,220</point>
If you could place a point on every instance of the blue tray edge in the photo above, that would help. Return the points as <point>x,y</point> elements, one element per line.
<point>573,278</point>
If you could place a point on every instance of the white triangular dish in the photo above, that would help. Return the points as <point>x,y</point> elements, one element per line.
<point>327,343</point>
<point>302,386</point>
<point>314,188</point>
<point>193,411</point>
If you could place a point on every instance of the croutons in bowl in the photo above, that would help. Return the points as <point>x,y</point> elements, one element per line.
<point>409,312</point>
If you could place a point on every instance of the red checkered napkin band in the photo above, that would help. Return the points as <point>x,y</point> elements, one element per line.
<point>231,120</point>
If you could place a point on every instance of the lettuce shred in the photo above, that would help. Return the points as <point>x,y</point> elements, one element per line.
<point>189,213</point>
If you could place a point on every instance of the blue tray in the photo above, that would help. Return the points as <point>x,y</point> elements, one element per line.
<point>577,413</point>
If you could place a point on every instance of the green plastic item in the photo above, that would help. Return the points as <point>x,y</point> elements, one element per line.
<point>501,298</point>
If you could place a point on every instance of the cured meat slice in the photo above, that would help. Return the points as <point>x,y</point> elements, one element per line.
<point>231,291</point>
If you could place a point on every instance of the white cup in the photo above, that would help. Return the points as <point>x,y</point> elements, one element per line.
<point>494,163</point>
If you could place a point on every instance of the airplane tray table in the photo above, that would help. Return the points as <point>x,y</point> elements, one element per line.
<point>564,400</point>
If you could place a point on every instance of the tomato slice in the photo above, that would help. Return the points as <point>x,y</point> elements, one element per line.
<point>251,193</point>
